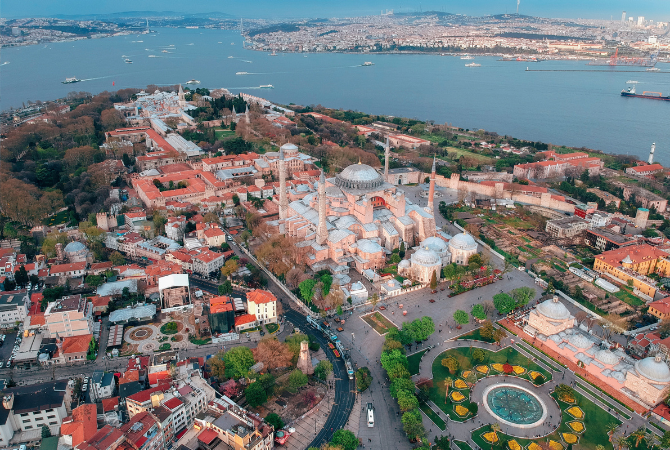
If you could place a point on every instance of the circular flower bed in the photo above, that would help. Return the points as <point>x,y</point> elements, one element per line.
<point>491,437</point>
<point>461,410</point>
<point>460,384</point>
<point>457,396</point>
<point>577,427</point>
<point>141,333</point>
<point>575,412</point>
<point>569,438</point>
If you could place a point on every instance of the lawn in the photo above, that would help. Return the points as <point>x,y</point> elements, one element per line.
<point>197,341</point>
<point>414,361</point>
<point>220,134</point>
<point>629,298</point>
<point>462,355</point>
<point>461,152</point>
<point>475,335</point>
<point>272,327</point>
<point>380,323</point>
<point>57,219</point>
<point>432,415</point>
<point>169,328</point>
<point>517,222</point>
<point>462,445</point>
<point>595,420</point>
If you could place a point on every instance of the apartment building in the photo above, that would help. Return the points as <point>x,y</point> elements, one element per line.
<point>207,261</point>
<point>262,304</point>
<point>566,228</point>
<point>68,270</point>
<point>144,432</point>
<point>69,316</point>
<point>13,308</point>
<point>103,385</point>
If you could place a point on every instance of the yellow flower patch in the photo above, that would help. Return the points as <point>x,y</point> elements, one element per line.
<point>576,412</point>
<point>461,410</point>
<point>482,369</point>
<point>491,437</point>
<point>577,427</point>
<point>460,384</point>
<point>513,445</point>
<point>569,438</point>
<point>534,446</point>
<point>518,370</point>
<point>555,445</point>
<point>457,396</point>
<point>534,374</point>
<point>466,373</point>
<point>497,367</point>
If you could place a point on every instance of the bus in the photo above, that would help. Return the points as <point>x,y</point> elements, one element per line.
<point>371,416</point>
<point>350,370</point>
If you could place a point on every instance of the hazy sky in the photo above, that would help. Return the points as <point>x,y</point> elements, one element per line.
<point>600,9</point>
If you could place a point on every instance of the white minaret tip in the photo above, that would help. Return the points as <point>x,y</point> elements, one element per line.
<point>651,153</point>
<point>433,169</point>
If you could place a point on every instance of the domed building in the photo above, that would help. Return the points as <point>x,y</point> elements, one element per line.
<point>421,265</point>
<point>650,380</point>
<point>76,252</point>
<point>440,247</point>
<point>355,219</point>
<point>551,317</point>
<point>462,247</point>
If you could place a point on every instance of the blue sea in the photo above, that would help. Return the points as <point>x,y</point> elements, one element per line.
<point>566,103</point>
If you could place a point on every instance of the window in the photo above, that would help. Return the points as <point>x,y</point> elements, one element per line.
<point>53,423</point>
<point>26,421</point>
<point>29,427</point>
<point>39,419</point>
<point>51,416</point>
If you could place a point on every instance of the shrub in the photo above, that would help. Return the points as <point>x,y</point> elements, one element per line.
<point>297,379</point>
<point>363,379</point>
<point>323,369</point>
<point>275,420</point>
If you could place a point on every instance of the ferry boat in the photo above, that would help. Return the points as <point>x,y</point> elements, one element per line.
<point>193,82</point>
<point>653,69</point>
<point>467,57</point>
<point>241,73</point>
<point>630,92</point>
<point>128,61</point>
<point>71,80</point>
<point>164,51</point>
<point>274,53</point>
<point>152,56</point>
<point>368,63</point>
<point>473,65</point>
<point>266,86</point>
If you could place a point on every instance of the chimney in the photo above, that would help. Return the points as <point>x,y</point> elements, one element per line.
<point>8,402</point>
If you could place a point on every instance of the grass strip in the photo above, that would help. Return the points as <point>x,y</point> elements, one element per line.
<point>600,399</point>
<point>432,415</point>
<point>529,348</point>
<point>414,361</point>
<point>462,445</point>
<point>658,427</point>
<point>615,399</point>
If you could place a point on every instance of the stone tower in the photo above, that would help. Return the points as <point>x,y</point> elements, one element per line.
<point>641,218</point>
<point>247,119</point>
<point>387,154</point>
<point>322,230</point>
<point>60,254</point>
<point>431,190</point>
<point>182,99</point>
<point>304,360</point>
<point>283,200</point>
<point>234,114</point>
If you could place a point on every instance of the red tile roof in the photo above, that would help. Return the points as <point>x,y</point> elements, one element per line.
<point>637,253</point>
<point>260,296</point>
<point>662,305</point>
<point>647,168</point>
<point>101,265</point>
<point>62,268</point>
<point>82,425</point>
<point>245,319</point>
<point>173,403</point>
<point>145,395</point>
<point>220,304</point>
<point>110,404</point>
<point>76,344</point>
<point>104,439</point>
<point>207,436</point>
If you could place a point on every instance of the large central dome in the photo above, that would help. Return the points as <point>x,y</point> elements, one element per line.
<point>359,176</point>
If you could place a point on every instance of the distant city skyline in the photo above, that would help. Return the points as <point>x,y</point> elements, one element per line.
<point>657,10</point>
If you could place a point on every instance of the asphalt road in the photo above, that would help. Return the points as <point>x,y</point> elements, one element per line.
<point>345,394</point>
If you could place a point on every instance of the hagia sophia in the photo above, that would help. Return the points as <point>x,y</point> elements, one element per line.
<point>647,381</point>
<point>357,218</point>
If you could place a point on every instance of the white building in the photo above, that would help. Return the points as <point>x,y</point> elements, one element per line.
<point>262,304</point>
<point>462,247</point>
<point>13,308</point>
<point>208,261</point>
<point>358,293</point>
<point>102,385</point>
<point>421,265</point>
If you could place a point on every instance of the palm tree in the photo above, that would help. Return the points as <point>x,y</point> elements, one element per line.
<point>611,428</point>
<point>620,442</point>
<point>495,427</point>
<point>638,435</point>
<point>447,382</point>
<point>600,447</point>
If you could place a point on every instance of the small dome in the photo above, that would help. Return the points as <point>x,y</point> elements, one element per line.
<point>580,341</point>
<point>653,368</point>
<point>463,241</point>
<point>553,309</point>
<point>607,357</point>
<point>289,147</point>
<point>74,246</point>
<point>404,264</point>
<point>359,176</point>
<point>435,244</point>
<point>425,257</point>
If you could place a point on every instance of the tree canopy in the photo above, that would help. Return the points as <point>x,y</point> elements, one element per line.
<point>238,361</point>
<point>504,303</point>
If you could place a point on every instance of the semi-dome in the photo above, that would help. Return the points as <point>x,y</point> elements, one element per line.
<point>435,244</point>
<point>553,309</point>
<point>653,368</point>
<point>359,176</point>
<point>425,257</point>
<point>74,246</point>
<point>579,341</point>
<point>607,357</point>
<point>463,241</point>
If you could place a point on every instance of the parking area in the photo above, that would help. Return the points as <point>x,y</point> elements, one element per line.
<point>6,348</point>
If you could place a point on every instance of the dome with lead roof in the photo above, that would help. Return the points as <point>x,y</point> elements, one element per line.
<point>425,257</point>
<point>580,341</point>
<point>607,357</point>
<point>435,244</point>
<point>359,176</point>
<point>553,309</point>
<point>74,246</point>
<point>653,368</point>
<point>463,241</point>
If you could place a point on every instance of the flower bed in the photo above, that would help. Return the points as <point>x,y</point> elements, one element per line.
<point>553,445</point>
<point>513,445</point>
<point>491,437</point>
<point>460,384</point>
<point>497,367</point>
<point>457,396</point>
<point>575,412</point>
<point>482,369</point>
<point>577,427</point>
<point>518,370</point>
<point>461,410</point>
<point>569,438</point>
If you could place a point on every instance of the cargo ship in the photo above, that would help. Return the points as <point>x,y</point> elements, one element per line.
<point>630,92</point>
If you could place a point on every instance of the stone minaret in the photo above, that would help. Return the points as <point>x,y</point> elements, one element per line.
<point>322,230</point>
<point>387,155</point>
<point>283,200</point>
<point>431,191</point>
<point>234,114</point>
<point>304,360</point>
<point>182,99</point>
<point>247,119</point>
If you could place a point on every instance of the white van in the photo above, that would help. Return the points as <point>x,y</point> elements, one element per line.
<point>371,416</point>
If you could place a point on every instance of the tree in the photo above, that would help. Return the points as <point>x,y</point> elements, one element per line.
<point>450,363</point>
<point>46,432</point>
<point>275,420</point>
<point>638,435</point>
<point>392,358</point>
<point>229,268</point>
<point>433,281</point>
<point>407,401</point>
<point>307,290</point>
<point>487,330</point>
<point>413,425</point>
<point>499,334</point>
<point>564,392</point>
<point>159,222</point>
<point>478,355</point>
<point>94,280</point>
<point>400,384</point>
<point>297,379</point>
<point>363,379</point>
<point>442,443</point>
<point>523,295</point>
<point>323,369</point>
<point>395,258</point>
<point>293,341</point>
<point>665,440</point>
<point>488,307</point>
<point>236,200</point>
<point>272,353</point>
<point>117,259</point>
<point>345,439</point>
<point>478,312</point>
<point>461,317</point>
<point>503,303</point>
<point>21,276</point>
<point>255,394</point>
<point>402,249</point>
<point>210,217</point>
<point>611,429</point>
<point>238,361</point>
<point>225,288</point>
